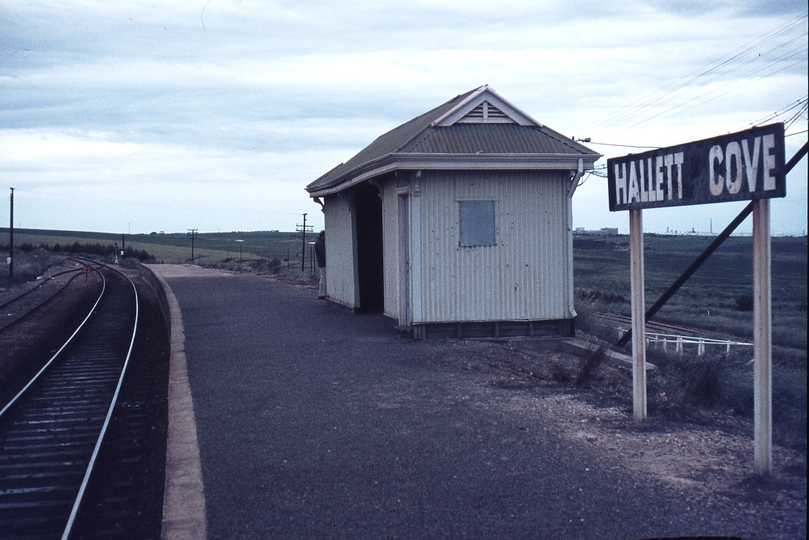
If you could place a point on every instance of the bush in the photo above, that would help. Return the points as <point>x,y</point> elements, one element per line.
<point>590,364</point>
<point>587,310</point>
<point>138,254</point>
<point>712,381</point>
<point>596,295</point>
<point>744,302</point>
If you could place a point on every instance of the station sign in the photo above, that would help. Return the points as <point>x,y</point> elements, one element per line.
<point>739,166</point>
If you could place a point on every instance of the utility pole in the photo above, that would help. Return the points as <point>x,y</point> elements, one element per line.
<point>303,229</point>
<point>11,239</point>
<point>123,245</point>
<point>192,232</point>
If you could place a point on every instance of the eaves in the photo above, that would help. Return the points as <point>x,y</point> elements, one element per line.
<point>394,162</point>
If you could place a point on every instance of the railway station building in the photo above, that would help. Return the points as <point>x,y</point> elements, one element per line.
<point>457,223</point>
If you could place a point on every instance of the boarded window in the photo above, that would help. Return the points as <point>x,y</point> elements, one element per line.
<point>477,223</point>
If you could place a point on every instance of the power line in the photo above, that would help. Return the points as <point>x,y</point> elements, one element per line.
<point>779,112</point>
<point>717,69</point>
<point>676,109</point>
<point>802,106</point>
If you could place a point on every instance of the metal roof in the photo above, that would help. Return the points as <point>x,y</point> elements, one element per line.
<point>455,135</point>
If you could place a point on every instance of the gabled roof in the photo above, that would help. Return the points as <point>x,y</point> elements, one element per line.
<point>475,130</point>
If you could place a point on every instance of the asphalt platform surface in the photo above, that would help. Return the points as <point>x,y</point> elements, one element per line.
<point>318,423</point>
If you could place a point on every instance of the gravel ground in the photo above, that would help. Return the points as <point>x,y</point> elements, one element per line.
<point>707,459</point>
<point>331,426</point>
<point>704,462</point>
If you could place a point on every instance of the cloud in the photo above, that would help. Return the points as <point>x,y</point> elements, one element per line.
<point>140,99</point>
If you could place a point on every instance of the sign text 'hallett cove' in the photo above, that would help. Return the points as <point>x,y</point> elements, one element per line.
<point>739,166</point>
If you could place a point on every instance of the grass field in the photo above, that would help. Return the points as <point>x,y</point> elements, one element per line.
<point>716,298</point>
<point>209,248</point>
<point>713,299</point>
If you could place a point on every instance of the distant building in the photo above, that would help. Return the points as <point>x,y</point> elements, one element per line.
<point>604,231</point>
<point>457,223</point>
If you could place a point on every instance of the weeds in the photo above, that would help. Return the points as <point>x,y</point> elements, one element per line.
<point>590,365</point>
<point>744,302</point>
<point>724,383</point>
<point>587,309</point>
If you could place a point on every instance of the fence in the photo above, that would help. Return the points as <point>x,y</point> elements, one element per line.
<point>663,340</point>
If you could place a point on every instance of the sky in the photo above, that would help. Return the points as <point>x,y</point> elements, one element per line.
<point>168,115</point>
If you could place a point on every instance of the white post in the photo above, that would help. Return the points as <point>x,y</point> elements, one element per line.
<point>638,315</point>
<point>762,337</point>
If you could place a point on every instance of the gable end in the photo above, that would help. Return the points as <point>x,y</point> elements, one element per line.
<point>484,106</point>
<point>486,113</point>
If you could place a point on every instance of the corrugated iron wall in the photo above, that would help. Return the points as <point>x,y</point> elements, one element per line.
<point>525,276</point>
<point>340,252</point>
<point>390,246</point>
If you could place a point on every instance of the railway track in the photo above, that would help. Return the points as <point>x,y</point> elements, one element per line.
<point>653,326</point>
<point>21,306</point>
<point>52,431</point>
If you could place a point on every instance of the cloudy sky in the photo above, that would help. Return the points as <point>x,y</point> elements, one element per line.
<point>166,115</point>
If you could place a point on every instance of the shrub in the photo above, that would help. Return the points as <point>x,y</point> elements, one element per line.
<point>590,364</point>
<point>711,381</point>
<point>744,302</point>
<point>587,320</point>
<point>131,262</point>
<point>139,254</point>
<point>596,295</point>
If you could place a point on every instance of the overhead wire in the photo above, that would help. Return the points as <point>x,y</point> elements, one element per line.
<point>776,114</point>
<point>671,111</point>
<point>716,70</point>
<point>702,71</point>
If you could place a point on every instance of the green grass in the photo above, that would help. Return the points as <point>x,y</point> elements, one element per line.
<point>709,299</point>
<point>601,271</point>
<point>209,248</point>
<point>601,274</point>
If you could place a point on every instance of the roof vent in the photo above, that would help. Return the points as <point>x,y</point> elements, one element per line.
<point>486,113</point>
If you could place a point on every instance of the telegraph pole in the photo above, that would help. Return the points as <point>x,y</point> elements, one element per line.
<point>192,232</point>
<point>303,229</point>
<point>11,239</point>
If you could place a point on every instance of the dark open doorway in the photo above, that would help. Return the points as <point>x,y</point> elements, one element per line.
<point>368,212</point>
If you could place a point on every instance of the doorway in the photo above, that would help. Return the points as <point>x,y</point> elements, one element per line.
<point>368,215</point>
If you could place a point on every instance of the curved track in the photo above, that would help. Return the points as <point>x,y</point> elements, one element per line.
<point>19,307</point>
<point>51,432</point>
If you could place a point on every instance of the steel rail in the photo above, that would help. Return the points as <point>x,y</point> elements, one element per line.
<point>38,285</point>
<point>75,510</point>
<point>78,465</point>
<point>57,353</point>
<point>7,324</point>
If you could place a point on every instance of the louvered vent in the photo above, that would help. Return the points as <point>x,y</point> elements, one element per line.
<point>486,113</point>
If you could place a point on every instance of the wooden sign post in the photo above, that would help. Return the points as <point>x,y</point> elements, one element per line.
<point>638,318</point>
<point>762,338</point>
<point>748,165</point>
